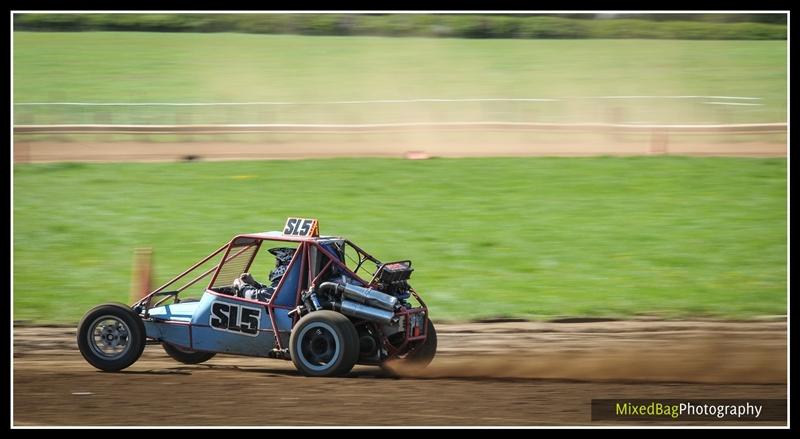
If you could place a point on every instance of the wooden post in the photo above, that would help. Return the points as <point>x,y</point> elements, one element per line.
<point>658,141</point>
<point>142,273</point>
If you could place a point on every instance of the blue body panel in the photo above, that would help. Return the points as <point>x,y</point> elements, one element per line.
<point>218,323</point>
<point>227,324</point>
<point>181,312</point>
<point>288,292</point>
<point>177,334</point>
<point>207,337</point>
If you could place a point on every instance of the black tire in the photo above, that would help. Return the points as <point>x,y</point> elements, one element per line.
<point>423,355</point>
<point>420,357</point>
<point>111,336</point>
<point>186,356</point>
<point>324,343</point>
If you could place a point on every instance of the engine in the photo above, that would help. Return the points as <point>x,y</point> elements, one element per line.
<point>378,304</point>
<point>393,278</point>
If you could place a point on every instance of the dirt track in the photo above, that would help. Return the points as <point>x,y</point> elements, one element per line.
<point>514,373</point>
<point>28,152</point>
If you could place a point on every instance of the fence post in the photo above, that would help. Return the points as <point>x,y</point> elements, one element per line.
<point>102,118</point>
<point>658,141</point>
<point>616,115</point>
<point>142,273</point>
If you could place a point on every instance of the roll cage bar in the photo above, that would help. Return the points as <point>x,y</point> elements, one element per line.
<point>240,244</point>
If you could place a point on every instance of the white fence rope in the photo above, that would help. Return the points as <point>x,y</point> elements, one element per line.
<point>732,103</point>
<point>383,127</point>
<point>358,102</point>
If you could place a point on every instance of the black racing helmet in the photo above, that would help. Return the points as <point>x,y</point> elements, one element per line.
<point>283,255</point>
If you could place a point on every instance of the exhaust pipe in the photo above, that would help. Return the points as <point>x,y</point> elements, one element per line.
<point>354,309</point>
<point>361,311</point>
<point>363,295</point>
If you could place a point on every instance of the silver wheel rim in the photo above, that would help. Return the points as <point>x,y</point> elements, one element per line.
<point>109,337</point>
<point>319,346</point>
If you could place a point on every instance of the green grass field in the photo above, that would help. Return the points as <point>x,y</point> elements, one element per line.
<point>532,237</point>
<point>185,67</point>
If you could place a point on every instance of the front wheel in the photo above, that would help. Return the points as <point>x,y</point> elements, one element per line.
<point>186,356</point>
<point>111,337</point>
<point>324,343</point>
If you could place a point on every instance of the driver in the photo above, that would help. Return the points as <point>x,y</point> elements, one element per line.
<point>250,288</point>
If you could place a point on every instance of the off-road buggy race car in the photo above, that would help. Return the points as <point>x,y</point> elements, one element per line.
<point>331,305</point>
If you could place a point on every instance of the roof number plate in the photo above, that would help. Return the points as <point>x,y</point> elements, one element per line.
<point>301,227</point>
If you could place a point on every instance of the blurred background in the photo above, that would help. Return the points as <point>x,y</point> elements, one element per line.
<point>612,165</point>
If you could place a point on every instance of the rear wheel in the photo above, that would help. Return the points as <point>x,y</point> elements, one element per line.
<point>111,337</point>
<point>423,355</point>
<point>420,357</point>
<point>324,343</point>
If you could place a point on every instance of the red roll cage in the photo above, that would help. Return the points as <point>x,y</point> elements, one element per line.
<point>248,245</point>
